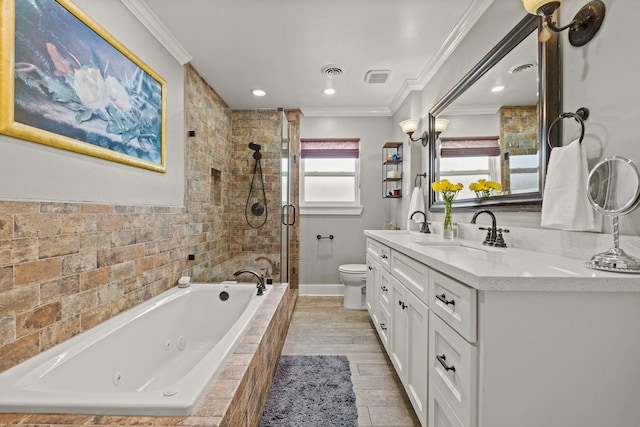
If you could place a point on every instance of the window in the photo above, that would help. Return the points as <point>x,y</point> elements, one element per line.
<point>466,160</point>
<point>330,176</point>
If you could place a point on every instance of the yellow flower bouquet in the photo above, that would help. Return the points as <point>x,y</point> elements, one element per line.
<point>484,188</point>
<point>449,191</point>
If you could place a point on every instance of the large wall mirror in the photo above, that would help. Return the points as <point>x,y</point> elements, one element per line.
<point>497,120</point>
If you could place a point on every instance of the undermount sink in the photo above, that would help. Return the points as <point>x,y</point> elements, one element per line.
<point>456,245</point>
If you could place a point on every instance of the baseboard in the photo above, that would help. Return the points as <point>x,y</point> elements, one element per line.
<point>321,290</point>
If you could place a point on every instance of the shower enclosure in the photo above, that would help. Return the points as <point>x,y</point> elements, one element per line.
<point>241,207</point>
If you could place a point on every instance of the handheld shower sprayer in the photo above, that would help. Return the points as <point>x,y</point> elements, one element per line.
<point>259,208</point>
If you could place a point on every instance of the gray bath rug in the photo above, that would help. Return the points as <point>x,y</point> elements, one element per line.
<point>311,391</point>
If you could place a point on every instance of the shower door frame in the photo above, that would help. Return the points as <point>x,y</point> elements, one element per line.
<point>288,209</point>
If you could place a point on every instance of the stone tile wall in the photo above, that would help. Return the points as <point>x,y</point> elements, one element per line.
<point>518,135</point>
<point>220,238</point>
<point>210,149</point>
<point>65,267</point>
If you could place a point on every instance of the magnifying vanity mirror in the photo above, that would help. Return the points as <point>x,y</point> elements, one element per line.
<point>499,135</point>
<point>613,188</point>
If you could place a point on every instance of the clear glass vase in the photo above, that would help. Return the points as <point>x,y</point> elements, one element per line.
<point>447,232</point>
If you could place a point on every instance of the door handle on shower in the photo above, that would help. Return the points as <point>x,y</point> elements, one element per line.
<point>283,214</point>
<point>294,215</point>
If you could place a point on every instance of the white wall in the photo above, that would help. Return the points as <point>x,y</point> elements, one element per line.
<point>31,171</point>
<point>319,259</point>
<point>601,76</point>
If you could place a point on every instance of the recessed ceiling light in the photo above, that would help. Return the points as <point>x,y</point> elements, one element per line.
<point>498,88</point>
<point>329,91</point>
<point>258,92</point>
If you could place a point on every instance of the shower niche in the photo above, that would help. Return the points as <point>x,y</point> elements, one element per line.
<point>216,187</point>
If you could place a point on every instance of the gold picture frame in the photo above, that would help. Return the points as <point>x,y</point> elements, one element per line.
<point>66,82</point>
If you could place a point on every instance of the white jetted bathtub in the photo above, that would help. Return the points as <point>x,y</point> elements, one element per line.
<point>155,359</point>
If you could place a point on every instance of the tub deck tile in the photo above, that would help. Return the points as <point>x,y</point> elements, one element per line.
<point>57,419</point>
<point>12,418</point>
<point>119,420</point>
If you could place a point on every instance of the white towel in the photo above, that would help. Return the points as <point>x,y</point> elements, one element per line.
<point>416,204</point>
<point>565,205</point>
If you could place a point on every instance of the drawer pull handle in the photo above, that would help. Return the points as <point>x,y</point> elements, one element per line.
<point>383,326</point>
<point>384,288</point>
<point>370,268</point>
<point>443,361</point>
<point>445,301</point>
<point>384,256</point>
<point>402,304</point>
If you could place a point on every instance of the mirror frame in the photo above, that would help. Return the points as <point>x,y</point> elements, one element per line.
<point>549,100</point>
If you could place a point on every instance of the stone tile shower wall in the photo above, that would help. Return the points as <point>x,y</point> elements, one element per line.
<point>263,127</point>
<point>65,267</point>
<point>209,199</point>
<point>518,135</point>
<point>219,171</point>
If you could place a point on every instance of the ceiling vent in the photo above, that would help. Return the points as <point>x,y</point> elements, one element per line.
<point>376,76</point>
<point>332,71</point>
<point>520,68</point>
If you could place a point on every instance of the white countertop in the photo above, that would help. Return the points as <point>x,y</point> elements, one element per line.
<point>504,269</point>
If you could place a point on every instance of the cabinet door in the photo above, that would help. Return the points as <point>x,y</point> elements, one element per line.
<point>416,363</point>
<point>398,343</point>
<point>384,327</point>
<point>440,412</point>
<point>373,284</point>
<point>408,345</point>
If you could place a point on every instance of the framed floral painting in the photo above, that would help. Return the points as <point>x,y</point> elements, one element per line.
<point>67,83</point>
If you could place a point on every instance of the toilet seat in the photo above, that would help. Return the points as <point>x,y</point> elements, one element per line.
<point>353,268</point>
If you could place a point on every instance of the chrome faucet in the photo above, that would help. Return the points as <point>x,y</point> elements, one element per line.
<point>494,234</point>
<point>275,266</point>
<point>424,226</point>
<point>260,285</point>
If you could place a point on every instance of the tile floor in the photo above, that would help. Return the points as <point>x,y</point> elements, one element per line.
<point>321,325</point>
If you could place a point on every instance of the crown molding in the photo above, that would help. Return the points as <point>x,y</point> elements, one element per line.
<point>145,15</point>
<point>472,15</point>
<point>346,111</point>
<point>470,110</point>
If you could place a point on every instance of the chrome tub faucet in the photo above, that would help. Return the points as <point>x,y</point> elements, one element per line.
<point>260,285</point>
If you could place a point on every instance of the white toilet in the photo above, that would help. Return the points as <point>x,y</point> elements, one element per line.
<point>354,278</point>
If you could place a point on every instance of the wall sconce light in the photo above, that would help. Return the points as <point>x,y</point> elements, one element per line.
<point>409,126</point>
<point>441,126</point>
<point>582,28</point>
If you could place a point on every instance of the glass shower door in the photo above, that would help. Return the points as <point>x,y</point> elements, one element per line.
<point>288,210</point>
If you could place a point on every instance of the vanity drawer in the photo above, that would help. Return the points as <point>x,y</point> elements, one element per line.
<point>440,412</point>
<point>455,303</point>
<point>453,368</point>
<point>381,252</point>
<point>412,274</point>
<point>384,293</point>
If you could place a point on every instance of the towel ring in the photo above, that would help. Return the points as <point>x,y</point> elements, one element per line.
<point>418,181</point>
<point>580,115</point>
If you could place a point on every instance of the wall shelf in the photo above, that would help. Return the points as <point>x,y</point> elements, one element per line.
<point>392,170</point>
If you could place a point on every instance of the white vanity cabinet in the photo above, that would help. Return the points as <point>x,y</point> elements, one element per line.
<point>506,338</point>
